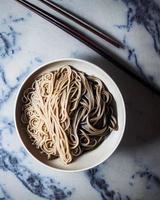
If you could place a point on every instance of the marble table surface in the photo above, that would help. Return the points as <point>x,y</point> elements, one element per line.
<point>27,41</point>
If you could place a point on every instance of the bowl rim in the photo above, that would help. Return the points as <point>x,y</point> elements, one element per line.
<point>18,133</point>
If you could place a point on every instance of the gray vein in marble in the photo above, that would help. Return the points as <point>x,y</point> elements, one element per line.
<point>146,13</point>
<point>9,36</point>
<point>8,47</point>
<point>4,195</point>
<point>101,186</point>
<point>11,19</point>
<point>152,180</point>
<point>45,187</point>
<point>7,90</point>
<point>8,42</point>
<point>133,57</point>
<point>8,124</point>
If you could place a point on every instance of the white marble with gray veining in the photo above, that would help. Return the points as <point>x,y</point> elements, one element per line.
<point>27,41</point>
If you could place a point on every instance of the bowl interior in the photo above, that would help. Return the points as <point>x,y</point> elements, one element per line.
<point>91,158</point>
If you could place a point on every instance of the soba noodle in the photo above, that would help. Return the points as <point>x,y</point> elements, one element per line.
<point>67,112</point>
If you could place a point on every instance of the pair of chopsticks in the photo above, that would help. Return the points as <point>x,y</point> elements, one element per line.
<point>74,18</point>
<point>80,35</point>
<point>68,28</point>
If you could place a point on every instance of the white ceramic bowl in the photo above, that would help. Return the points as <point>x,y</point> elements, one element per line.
<point>92,158</point>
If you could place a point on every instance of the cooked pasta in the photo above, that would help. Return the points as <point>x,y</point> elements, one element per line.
<point>67,112</point>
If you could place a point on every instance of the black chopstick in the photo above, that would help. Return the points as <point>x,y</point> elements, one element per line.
<point>85,39</point>
<point>83,23</point>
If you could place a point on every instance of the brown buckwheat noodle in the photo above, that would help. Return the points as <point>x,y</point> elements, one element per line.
<point>67,112</point>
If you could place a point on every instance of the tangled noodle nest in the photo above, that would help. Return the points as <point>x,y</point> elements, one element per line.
<point>67,112</point>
